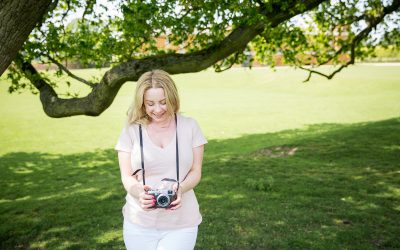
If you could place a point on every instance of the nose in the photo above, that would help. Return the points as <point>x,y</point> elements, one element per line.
<point>157,108</point>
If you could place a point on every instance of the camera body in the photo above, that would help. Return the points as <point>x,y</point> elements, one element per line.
<point>163,197</point>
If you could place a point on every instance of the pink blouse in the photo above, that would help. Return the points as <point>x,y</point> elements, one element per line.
<point>160,163</point>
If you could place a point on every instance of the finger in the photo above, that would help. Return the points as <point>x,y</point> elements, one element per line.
<point>147,203</point>
<point>146,196</point>
<point>146,199</point>
<point>146,187</point>
<point>175,207</point>
<point>176,202</point>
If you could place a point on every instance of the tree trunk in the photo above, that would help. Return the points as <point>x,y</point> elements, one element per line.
<point>17,20</point>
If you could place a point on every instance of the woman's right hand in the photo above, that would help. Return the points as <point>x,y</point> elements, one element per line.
<point>147,201</point>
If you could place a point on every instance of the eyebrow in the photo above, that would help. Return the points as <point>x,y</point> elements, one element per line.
<point>154,101</point>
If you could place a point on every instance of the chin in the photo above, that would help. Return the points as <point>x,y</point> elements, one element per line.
<point>160,118</point>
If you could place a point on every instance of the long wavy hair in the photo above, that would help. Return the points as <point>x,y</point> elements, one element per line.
<point>152,79</point>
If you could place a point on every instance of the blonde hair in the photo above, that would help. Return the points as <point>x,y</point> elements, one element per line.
<point>152,79</point>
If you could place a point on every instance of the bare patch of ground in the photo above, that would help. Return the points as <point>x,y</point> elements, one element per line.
<point>277,152</point>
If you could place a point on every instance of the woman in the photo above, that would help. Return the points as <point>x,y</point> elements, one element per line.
<point>172,146</point>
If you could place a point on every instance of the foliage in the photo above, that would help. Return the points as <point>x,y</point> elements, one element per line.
<point>329,32</point>
<point>118,31</point>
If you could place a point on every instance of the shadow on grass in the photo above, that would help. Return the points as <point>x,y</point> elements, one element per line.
<point>326,186</point>
<point>60,201</point>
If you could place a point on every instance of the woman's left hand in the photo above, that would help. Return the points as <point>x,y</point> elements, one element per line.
<point>177,203</point>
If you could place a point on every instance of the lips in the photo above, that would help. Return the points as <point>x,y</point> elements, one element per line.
<point>158,116</point>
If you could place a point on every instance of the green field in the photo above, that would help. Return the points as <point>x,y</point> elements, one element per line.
<point>289,165</point>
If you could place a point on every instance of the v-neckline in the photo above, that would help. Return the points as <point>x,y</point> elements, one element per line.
<point>168,144</point>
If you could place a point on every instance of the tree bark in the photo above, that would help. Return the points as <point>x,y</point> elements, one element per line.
<point>17,20</point>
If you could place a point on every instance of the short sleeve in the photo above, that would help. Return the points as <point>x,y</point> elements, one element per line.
<point>198,138</point>
<point>125,140</point>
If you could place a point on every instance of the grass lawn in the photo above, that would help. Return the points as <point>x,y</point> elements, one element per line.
<point>289,165</point>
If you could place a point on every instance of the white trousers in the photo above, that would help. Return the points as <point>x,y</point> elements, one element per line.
<point>141,238</point>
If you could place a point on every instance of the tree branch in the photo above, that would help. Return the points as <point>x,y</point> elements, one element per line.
<point>330,76</point>
<point>103,94</point>
<point>68,10</point>
<point>69,73</point>
<point>88,8</point>
<point>187,12</point>
<point>54,106</point>
<point>219,70</point>
<point>372,23</point>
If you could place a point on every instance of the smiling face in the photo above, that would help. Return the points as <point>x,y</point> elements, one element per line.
<point>155,104</point>
<point>156,98</point>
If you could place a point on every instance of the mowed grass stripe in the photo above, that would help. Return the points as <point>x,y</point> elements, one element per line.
<point>227,105</point>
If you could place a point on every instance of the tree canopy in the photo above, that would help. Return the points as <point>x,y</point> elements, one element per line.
<point>199,34</point>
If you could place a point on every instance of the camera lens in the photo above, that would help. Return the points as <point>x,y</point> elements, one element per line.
<point>163,200</point>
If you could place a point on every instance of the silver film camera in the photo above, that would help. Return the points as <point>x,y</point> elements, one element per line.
<point>163,197</point>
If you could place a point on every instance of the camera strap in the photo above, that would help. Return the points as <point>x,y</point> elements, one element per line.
<point>142,156</point>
